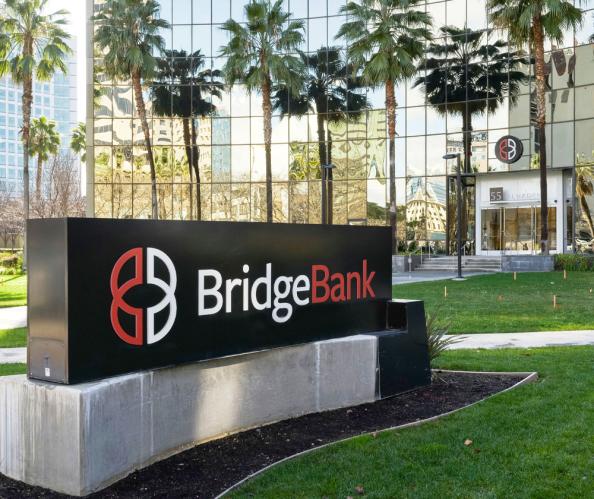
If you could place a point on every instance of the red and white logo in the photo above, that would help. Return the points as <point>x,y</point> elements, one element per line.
<point>118,290</point>
<point>509,149</point>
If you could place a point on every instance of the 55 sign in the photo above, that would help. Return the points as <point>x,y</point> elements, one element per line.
<point>509,149</point>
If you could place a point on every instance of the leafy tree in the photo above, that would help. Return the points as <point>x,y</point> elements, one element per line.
<point>45,141</point>
<point>530,23</point>
<point>33,44</point>
<point>470,76</point>
<point>332,91</point>
<point>260,56</point>
<point>128,34</point>
<point>183,89</point>
<point>78,141</point>
<point>386,39</point>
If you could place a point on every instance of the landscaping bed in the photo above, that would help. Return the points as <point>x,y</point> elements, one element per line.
<point>209,469</point>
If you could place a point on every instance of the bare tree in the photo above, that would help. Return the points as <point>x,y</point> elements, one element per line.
<point>11,218</point>
<point>61,196</point>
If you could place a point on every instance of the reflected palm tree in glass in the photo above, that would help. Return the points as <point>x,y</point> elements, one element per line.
<point>467,76</point>
<point>332,91</point>
<point>584,172</point>
<point>185,90</point>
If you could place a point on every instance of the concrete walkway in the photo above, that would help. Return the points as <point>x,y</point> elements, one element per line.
<point>13,317</point>
<point>427,275</point>
<point>525,340</point>
<point>13,355</point>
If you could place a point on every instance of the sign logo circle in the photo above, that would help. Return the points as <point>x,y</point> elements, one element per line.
<point>118,304</point>
<point>509,149</point>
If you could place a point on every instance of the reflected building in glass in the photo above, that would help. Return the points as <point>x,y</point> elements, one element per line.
<point>216,171</point>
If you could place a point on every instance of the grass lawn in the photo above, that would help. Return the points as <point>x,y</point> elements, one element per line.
<point>8,369</point>
<point>13,291</point>
<point>498,304</point>
<point>535,441</point>
<point>10,338</point>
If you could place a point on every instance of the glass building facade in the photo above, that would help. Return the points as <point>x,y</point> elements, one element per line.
<point>231,157</point>
<point>55,99</point>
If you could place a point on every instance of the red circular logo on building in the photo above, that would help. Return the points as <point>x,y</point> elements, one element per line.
<point>509,149</point>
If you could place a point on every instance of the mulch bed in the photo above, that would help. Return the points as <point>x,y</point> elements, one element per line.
<point>208,469</point>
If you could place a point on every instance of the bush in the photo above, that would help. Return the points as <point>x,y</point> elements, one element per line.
<point>438,339</point>
<point>11,263</point>
<point>574,263</point>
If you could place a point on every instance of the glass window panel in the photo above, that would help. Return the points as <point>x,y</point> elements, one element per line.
<point>258,199</point>
<point>436,121</point>
<point>182,11</point>
<point>163,163</point>
<point>584,72</point>
<point>400,158</point>
<point>584,105</point>
<point>165,201</point>
<point>298,8</point>
<point>436,208</point>
<point>339,202</point>
<point>201,11</point>
<point>415,158</point>
<point>102,132</point>
<point>562,105</point>
<point>165,10</point>
<point>280,130</point>
<point>238,10</point>
<point>240,130</point>
<point>240,163</point>
<point>298,202</point>
<point>257,130</point>
<point>221,10</point>
<point>436,148</point>
<point>181,202</point>
<point>357,200</point>
<point>122,164</point>
<point>201,39</point>
<point>258,163</point>
<point>563,154</point>
<point>240,202</point>
<point>416,209</point>
<point>103,171</point>
<point>221,201</point>
<point>280,202</point>
<point>280,162</point>
<point>103,198</point>
<point>122,201</point>
<point>415,121</point>
<point>317,34</point>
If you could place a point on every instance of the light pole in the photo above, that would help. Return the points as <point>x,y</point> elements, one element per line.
<point>459,208</point>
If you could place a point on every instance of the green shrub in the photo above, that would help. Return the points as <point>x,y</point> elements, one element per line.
<point>438,339</point>
<point>574,263</point>
<point>11,263</point>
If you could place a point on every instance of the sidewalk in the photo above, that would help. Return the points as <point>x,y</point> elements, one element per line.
<point>13,355</point>
<point>427,275</point>
<point>494,340</point>
<point>525,340</point>
<point>13,317</point>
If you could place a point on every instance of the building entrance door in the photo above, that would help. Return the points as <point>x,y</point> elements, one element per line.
<point>515,230</point>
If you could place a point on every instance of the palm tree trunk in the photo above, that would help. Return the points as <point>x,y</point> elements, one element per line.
<point>188,146</point>
<point>329,180</point>
<point>27,101</point>
<point>586,211</point>
<point>267,110</point>
<point>538,38</point>
<point>467,139</point>
<point>38,176</point>
<point>147,141</point>
<point>196,166</point>
<point>391,117</point>
<point>323,154</point>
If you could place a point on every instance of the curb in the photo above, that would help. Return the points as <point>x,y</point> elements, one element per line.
<point>530,377</point>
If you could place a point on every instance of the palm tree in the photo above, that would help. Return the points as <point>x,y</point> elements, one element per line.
<point>45,140</point>
<point>386,39</point>
<point>466,76</point>
<point>259,55</point>
<point>530,22</point>
<point>181,89</point>
<point>78,141</point>
<point>127,33</point>
<point>32,45</point>
<point>332,91</point>
<point>583,189</point>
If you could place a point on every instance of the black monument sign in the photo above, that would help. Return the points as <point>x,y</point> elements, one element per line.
<point>108,297</point>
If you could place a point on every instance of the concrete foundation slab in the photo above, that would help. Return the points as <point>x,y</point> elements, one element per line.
<point>80,438</point>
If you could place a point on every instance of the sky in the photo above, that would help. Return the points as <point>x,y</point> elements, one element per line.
<point>77,28</point>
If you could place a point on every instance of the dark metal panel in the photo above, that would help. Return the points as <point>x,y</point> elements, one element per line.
<point>403,354</point>
<point>47,300</point>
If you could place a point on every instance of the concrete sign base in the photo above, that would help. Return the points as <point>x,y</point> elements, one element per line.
<point>78,439</point>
